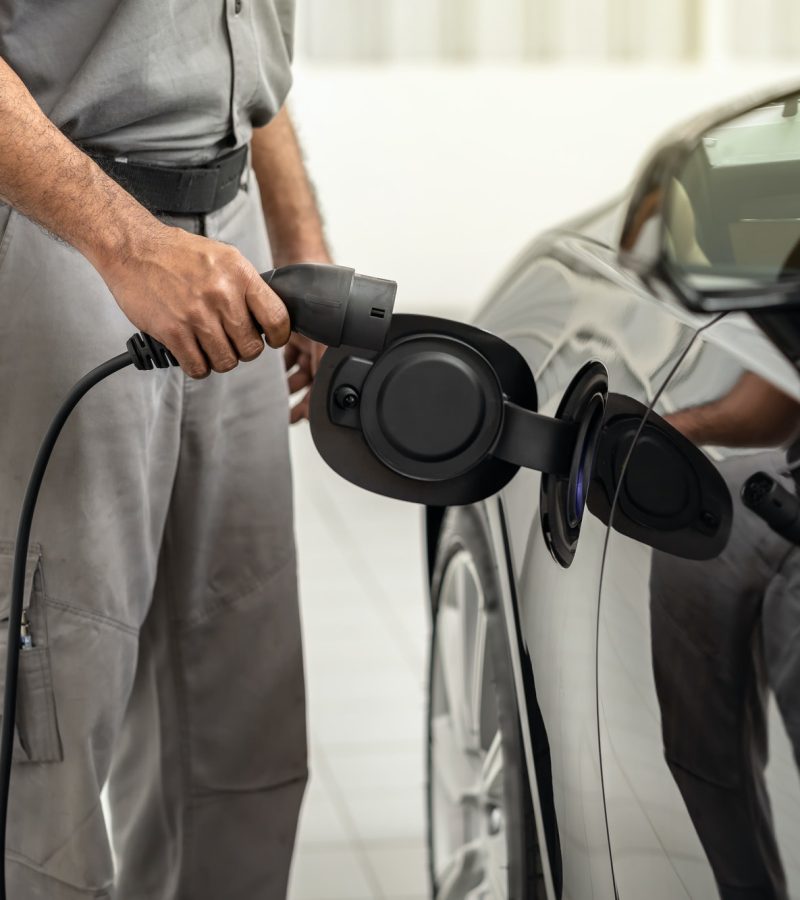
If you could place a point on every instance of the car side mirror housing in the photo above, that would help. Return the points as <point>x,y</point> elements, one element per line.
<point>714,218</point>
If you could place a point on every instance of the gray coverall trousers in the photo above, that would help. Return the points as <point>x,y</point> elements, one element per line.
<point>161,595</point>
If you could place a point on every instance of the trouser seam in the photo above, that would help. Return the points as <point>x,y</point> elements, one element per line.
<point>224,605</point>
<point>82,612</point>
<point>300,778</point>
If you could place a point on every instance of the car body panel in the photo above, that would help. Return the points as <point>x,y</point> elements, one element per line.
<point>621,820</point>
<point>678,645</point>
<point>560,312</point>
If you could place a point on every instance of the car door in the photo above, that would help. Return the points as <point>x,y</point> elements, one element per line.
<point>697,665</point>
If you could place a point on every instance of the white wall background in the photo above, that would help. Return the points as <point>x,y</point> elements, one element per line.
<point>437,176</point>
<point>444,134</point>
<point>547,30</point>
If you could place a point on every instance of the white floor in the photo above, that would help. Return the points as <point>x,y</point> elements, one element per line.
<point>362,832</point>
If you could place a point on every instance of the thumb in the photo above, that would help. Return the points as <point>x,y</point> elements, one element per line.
<point>268,310</point>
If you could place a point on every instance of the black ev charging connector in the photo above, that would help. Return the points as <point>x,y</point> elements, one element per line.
<point>773,503</point>
<point>330,304</point>
<point>335,305</point>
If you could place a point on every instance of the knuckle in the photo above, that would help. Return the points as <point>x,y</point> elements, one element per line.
<point>196,311</point>
<point>235,311</point>
<point>220,287</point>
<point>196,370</point>
<point>173,334</point>
<point>227,364</point>
<point>251,350</point>
<point>278,328</point>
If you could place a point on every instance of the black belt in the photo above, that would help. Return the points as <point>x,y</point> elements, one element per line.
<point>180,191</point>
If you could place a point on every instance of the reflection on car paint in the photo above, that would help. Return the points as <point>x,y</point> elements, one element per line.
<point>691,783</point>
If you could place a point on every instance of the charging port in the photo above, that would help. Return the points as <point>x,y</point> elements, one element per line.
<point>563,499</point>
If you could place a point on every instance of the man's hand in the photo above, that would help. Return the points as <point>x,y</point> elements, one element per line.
<point>302,357</point>
<point>200,298</point>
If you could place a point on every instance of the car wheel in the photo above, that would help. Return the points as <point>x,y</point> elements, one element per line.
<point>481,831</point>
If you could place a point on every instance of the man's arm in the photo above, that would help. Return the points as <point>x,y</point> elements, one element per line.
<point>196,295</point>
<point>754,413</point>
<point>296,233</point>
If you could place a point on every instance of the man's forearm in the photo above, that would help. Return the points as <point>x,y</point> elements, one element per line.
<point>290,206</point>
<point>48,179</point>
<point>754,413</point>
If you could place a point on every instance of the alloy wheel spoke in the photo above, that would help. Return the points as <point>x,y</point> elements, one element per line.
<point>470,854</point>
<point>453,769</point>
<point>462,872</point>
<point>492,770</point>
<point>478,674</point>
<point>452,666</point>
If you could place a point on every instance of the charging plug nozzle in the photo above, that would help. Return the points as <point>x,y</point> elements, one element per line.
<point>778,507</point>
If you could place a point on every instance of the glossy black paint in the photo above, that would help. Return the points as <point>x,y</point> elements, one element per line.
<point>615,700</point>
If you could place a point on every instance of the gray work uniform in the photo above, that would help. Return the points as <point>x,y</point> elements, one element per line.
<point>162,576</point>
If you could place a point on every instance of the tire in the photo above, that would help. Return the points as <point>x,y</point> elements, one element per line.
<point>482,842</point>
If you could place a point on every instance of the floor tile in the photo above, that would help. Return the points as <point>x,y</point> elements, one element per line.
<point>399,766</point>
<point>321,873</point>
<point>321,822</point>
<point>366,627</point>
<point>400,869</point>
<point>388,814</point>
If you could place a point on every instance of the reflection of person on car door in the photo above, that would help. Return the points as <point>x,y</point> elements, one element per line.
<point>722,634</point>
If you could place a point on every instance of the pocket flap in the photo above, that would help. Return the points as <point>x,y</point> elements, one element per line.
<point>6,571</point>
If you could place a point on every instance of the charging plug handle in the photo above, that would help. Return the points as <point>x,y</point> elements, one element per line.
<point>335,305</point>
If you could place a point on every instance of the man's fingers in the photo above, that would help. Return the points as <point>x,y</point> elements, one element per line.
<point>216,346</point>
<point>190,357</point>
<point>246,340</point>
<point>316,357</point>
<point>269,311</point>
<point>301,409</point>
<point>290,355</point>
<point>299,379</point>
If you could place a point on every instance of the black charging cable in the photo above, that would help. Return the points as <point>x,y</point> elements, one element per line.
<point>143,353</point>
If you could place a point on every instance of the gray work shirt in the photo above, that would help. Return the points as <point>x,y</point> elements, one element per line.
<point>169,79</point>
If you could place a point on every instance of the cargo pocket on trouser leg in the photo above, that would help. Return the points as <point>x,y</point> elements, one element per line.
<point>56,843</point>
<point>37,738</point>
